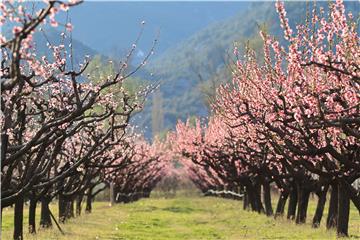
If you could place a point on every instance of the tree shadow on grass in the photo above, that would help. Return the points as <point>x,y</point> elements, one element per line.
<point>147,209</point>
<point>354,236</point>
<point>179,209</point>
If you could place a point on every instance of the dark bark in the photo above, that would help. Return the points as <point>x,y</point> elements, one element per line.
<point>4,145</point>
<point>320,206</point>
<point>292,203</point>
<point>331,220</point>
<point>267,199</point>
<point>18,218</point>
<point>257,195</point>
<point>62,208</point>
<point>112,194</point>
<point>78,204</point>
<point>251,198</point>
<point>343,211</point>
<point>303,202</point>
<point>280,208</point>
<point>246,201</point>
<point>69,212</point>
<point>88,207</point>
<point>45,220</point>
<point>32,215</point>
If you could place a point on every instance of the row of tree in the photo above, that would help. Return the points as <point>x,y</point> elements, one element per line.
<point>288,120</point>
<point>65,131</point>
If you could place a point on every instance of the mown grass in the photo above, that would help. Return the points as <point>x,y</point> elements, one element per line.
<point>181,218</point>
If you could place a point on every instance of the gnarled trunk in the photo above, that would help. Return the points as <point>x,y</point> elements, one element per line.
<point>331,221</point>
<point>69,208</point>
<point>257,198</point>
<point>252,198</point>
<point>45,218</point>
<point>18,218</point>
<point>32,214</point>
<point>280,208</point>
<point>343,210</point>
<point>246,200</point>
<point>267,199</point>
<point>112,194</point>
<point>320,206</point>
<point>78,204</point>
<point>62,208</point>
<point>303,202</point>
<point>88,207</point>
<point>292,203</point>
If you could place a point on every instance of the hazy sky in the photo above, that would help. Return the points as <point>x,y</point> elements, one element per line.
<point>105,26</point>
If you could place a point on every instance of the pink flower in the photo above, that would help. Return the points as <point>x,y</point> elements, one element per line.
<point>64,7</point>
<point>16,30</point>
<point>2,39</point>
<point>69,27</point>
<point>53,23</point>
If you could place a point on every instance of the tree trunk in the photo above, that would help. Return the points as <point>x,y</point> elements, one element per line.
<point>62,208</point>
<point>343,211</point>
<point>251,198</point>
<point>281,204</point>
<point>303,202</point>
<point>18,218</point>
<point>78,204</point>
<point>292,203</point>
<point>112,196</point>
<point>267,199</point>
<point>45,220</point>
<point>147,194</point>
<point>32,215</point>
<point>69,212</point>
<point>257,195</point>
<point>331,221</point>
<point>88,207</point>
<point>320,207</point>
<point>246,200</point>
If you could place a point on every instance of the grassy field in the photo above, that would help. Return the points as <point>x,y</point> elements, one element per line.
<point>181,218</point>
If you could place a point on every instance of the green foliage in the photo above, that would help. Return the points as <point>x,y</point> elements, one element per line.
<point>157,118</point>
<point>162,134</point>
<point>192,120</point>
<point>101,69</point>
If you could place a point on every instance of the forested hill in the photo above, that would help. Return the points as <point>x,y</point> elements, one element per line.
<point>79,49</point>
<point>185,69</point>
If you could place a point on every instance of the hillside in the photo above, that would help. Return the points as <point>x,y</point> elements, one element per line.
<point>80,49</point>
<point>183,69</point>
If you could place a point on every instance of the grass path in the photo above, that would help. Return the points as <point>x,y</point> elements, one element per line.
<point>181,218</point>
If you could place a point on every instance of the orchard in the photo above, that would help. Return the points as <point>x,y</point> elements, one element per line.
<point>62,135</point>
<point>285,126</point>
<point>291,122</point>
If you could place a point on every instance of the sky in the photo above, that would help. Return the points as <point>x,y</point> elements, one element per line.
<point>110,27</point>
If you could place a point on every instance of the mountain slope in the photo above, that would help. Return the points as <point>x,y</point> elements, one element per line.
<point>183,69</point>
<point>80,50</point>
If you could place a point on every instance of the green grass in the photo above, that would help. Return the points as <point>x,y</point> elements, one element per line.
<point>181,218</point>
